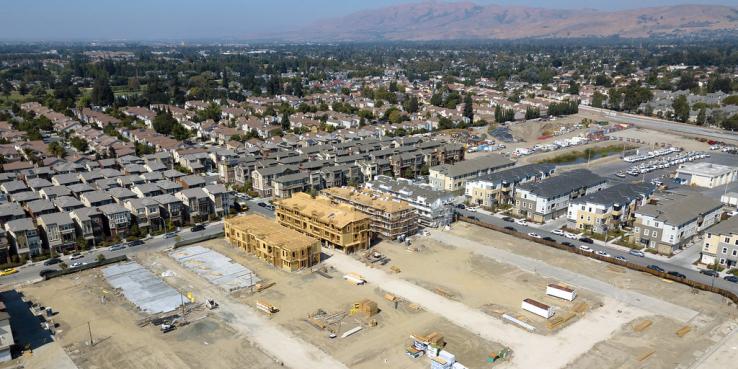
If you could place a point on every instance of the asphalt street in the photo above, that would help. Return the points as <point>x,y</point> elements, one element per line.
<point>613,251</point>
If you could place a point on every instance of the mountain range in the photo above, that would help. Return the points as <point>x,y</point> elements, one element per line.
<point>437,20</point>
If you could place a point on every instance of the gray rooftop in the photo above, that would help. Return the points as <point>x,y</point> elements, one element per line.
<point>518,174</point>
<point>563,183</point>
<point>677,209</point>
<point>462,168</point>
<point>726,227</point>
<point>55,218</point>
<point>406,188</point>
<point>622,193</point>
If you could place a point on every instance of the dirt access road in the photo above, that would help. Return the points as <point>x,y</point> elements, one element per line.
<point>529,350</point>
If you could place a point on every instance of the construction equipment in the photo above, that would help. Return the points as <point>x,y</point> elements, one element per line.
<point>354,278</point>
<point>366,307</point>
<point>262,286</point>
<point>166,328</point>
<point>211,304</point>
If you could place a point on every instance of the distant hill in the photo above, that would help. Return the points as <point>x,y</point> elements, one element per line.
<point>434,20</point>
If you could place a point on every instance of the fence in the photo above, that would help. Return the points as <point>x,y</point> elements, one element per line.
<point>694,284</point>
<point>191,241</point>
<point>95,264</point>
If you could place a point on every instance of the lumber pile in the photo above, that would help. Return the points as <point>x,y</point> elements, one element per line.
<point>642,325</point>
<point>683,331</point>
<point>645,355</point>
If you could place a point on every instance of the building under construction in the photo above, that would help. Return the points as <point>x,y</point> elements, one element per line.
<point>391,219</point>
<point>337,226</point>
<point>281,246</point>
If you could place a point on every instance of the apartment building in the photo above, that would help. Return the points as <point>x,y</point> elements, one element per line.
<point>549,199</point>
<point>336,226</point>
<point>434,208</point>
<point>391,219</point>
<point>280,246</point>
<point>90,225</point>
<point>499,188</point>
<point>721,244</point>
<point>58,231</point>
<point>221,199</point>
<point>197,204</point>
<point>671,220</point>
<point>23,237</point>
<point>608,209</point>
<point>145,213</point>
<point>453,177</point>
<point>116,219</point>
<point>261,178</point>
<point>287,185</point>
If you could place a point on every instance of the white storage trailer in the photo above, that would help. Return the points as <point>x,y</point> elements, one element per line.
<point>561,292</point>
<point>537,308</point>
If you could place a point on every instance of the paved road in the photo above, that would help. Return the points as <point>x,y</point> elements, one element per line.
<point>595,285</point>
<point>30,272</point>
<point>663,125</point>
<point>614,251</point>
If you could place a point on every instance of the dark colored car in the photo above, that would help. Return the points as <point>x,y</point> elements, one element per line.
<point>656,268</point>
<point>460,206</point>
<point>135,243</point>
<point>508,219</point>
<point>197,228</point>
<point>567,243</point>
<point>262,204</point>
<point>45,272</point>
<point>549,239</point>
<point>586,240</point>
<point>709,272</point>
<point>510,228</point>
<point>731,278</point>
<point>52,261</point>
<point>170,235</point>
<point>677,274</point>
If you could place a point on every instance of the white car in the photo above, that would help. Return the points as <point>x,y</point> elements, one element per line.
<point>586,248</point>
<point>534,235</point>
<point>558,232</point>
<point>602,253</point>
<point>77,264</point>
<point>571,236</point>
<point>521,222</point>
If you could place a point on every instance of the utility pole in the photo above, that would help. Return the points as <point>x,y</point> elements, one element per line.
<point>89,329</point>
<point>181,297</point>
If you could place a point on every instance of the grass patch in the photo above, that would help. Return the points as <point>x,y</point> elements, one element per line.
<point>588,153</point>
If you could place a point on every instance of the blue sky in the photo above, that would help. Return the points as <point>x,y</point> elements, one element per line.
<point>200,19</point>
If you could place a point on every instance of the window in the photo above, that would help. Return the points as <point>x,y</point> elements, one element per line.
<point>735,252</point>
<point>725,250</point>
<point>645,232</point>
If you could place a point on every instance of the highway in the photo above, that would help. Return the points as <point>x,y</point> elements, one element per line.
<point>663,125</point>
<point>614,252</point>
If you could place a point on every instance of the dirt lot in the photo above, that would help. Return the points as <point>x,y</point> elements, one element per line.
<point>650,138</point>
<point>624,348</point>
<point>480,283</point>
<point>298,294</point>
<point>121,343</point>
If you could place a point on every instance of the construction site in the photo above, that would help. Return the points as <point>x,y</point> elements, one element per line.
<point>451,299</point>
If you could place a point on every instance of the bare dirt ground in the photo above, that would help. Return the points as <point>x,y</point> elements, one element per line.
<point>298,294</point>
<point>625,348</point>
<point>121,343</point>
<point>653,138</point>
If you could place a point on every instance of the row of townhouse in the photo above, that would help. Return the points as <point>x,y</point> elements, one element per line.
<point>453,177</point>
<point>671,220</point>
<point>498,188</point>
<point>103,199</point>
<point>609,209</point>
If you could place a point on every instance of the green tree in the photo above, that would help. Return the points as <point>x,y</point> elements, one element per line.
<point>411,105</point>
<point>285,121</point>
<point>702,116</point>
<point>56,149</point>
<point>102,94</point>
<point>164,122</point>
<point>468,107</point>
<point>681,108</point>
<point>597,99</point>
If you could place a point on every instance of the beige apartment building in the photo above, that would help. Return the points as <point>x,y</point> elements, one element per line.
<point>280,246</point>
<point>721,244</point>
<point>337,226</point>
<point>391,219</point>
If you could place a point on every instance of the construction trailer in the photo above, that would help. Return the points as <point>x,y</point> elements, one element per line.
<point>537,308</point>
<point>354,278</point>
<point>266,307</point>
<point>561,292</point>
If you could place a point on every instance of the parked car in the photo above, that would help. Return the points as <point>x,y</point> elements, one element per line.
<point>709,272</point>
<point>676,274</point>
<point>460,206</point>
<point>621,258</point>
<point>170,235</point>
<point>44,272</point>
<point>269,207</point>
<point>570,236</point>
<point>558,232</point>
<point>52,261</point>
<point>8,271</point>
<point>117,247</point>
<point>197,228</point>
<point>135,243</point>
<point>585,248</point>
<point>636,253</point>
<point>567,243</point>
<point>510,229</point>
<point>586,240</point>
<point>603,253</point>
<point>262,204</point>
<point>549,239</point>
<point>76,256</point>
<point>534,235</point>
<point>731,278</point>
<point>521,222</point>
<point>508,219</point>
<point>656,268</point>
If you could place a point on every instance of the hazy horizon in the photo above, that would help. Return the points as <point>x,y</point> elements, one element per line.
<point>138,20</point>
